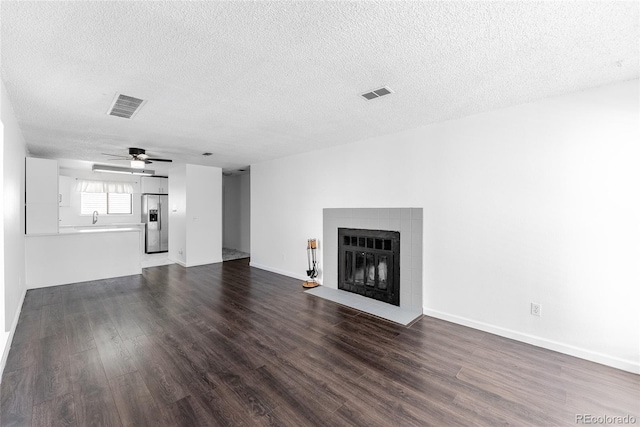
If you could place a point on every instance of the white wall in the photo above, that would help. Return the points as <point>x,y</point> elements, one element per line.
<point>4,326</point>
<point>14,152</point>
<point>245,213</point>
<point>533,203</point>
<point>178,214</point>
<point>204,215</point>
<point>237,212</point>
<point>195,215</point>
<point>70,215</point>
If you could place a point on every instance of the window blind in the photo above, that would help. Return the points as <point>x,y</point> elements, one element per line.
<point>119,203</point>
<point>90,202</point>
<point>105,203</point>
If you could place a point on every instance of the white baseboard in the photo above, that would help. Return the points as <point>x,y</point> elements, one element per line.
<point>281,272</point>
<point>603,359</point>
<point>182,263</point>
<point>177,261</point>
<point>7,344</point>
<point>199,263</point>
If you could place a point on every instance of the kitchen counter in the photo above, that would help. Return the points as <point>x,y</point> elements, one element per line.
<point>83,253</point>
<point>96,230</point>
<point>102,228</point>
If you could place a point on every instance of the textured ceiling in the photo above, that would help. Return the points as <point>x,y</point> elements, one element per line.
<point>252,81</point>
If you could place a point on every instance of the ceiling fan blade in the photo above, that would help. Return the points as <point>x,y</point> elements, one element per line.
<point>160,160</point>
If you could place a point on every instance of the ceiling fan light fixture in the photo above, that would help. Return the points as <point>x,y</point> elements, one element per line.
<point>138,164</point>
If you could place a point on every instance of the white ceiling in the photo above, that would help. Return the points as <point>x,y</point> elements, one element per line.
<point>252,81</point>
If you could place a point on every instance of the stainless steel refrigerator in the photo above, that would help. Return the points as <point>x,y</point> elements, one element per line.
<point>155,216</point>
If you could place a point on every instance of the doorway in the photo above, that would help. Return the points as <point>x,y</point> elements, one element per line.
<point>236,214</point>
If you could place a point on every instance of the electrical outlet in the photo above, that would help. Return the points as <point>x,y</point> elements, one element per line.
<point>536,309</point>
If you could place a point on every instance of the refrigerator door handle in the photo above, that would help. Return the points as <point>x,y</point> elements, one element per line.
<point>159,213</point>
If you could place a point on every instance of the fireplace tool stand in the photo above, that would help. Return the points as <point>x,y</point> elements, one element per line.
<point>312,272</point>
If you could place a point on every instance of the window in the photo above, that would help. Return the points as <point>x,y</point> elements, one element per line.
<point>105,203</point>
<point>118,203</point>
<point>90,202</point>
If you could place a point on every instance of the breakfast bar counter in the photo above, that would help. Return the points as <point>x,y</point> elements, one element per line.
<point>82,254</point>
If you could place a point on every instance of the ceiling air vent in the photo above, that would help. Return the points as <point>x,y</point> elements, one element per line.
<point>377,93</point>
<point>125,106</point>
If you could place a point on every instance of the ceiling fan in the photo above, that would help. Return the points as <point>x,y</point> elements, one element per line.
<point>138,158</point>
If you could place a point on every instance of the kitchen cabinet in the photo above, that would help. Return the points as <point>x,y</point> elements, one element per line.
<point>65,184</point>
<point>154,185</point>
<point>41,196</point>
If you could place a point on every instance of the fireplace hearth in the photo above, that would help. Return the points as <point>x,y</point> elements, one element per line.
<point>369,263</point>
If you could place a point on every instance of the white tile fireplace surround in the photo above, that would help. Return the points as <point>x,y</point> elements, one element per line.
<point>408,221</point>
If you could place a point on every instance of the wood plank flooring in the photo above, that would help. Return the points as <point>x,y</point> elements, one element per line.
<point>226,344</point>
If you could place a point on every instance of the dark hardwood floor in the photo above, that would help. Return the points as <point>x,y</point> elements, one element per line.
<point>226,344</point>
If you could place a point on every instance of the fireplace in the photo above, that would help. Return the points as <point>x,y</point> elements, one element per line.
<point>369,263</point>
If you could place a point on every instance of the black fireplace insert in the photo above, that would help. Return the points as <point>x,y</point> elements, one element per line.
<point>369,263</point>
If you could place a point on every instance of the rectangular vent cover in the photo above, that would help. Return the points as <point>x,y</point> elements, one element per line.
<point>125,106</point>
<point>377,93</point>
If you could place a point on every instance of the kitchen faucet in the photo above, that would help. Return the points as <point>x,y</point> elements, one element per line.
<point>95,216</point>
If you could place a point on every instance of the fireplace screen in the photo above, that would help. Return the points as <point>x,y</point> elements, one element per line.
<point>369,263</point>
